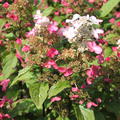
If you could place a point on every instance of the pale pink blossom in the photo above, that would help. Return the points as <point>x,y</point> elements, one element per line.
<point>1,42</point>
<point>52,52</point>
<point>19,41</point>
<point>64,3</point>
<point>107,59</point>
<point>43,21</point>
<point>83,86</point>
<point>7,25</point>
<point>68,72</point>
<point>89,80</point>
<point>26,48</point>
<point>118,54</point>
<point>96,33</point>
<point>12,16</point>
<point>4,116</point>
<point>105,1</point>
<point>93,47</point>
<point>99,100</point>
<point>69,10</point>
<point>118,24</point>
<point>93,71</point>
<point>50,63</point>
<point>46,65</point>
<point>60,31</point>
<point>90,104</point>
<point>114,48</point>
<point>19,56</point>
<point>112,20</point>
<point>81,102</point>
<point>100,59</point>
<point>6,5</point>
<point>56,0</point>
<point>4,84</point>
<point>57,13</point>
<point>2,102</point>
<point>73,97</point>
<point>35,2</point>
<point>75,89</point>
<point>117,14</point>
<point>55,99</point>
<point>108,80</point>
<point>91,1</point>
<point>62,69</point>
<point>65,71</point>
<point>52,28</point>
<point>31,33</point>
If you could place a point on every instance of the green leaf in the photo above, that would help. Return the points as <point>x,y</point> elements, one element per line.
<point>88,114</point>
<point>9,35</point>
<point>39,1</point>
<point>108,7</point>
<point>24,75</point>
<point>59,19</point>
<point>22,106</point>
<point>58,87</point>
<point>38,93</point>
<point>78,113</point>
<point>12,93</point>
<point>107,52</point>
<point>83,113</point>
<point>9,64</point>
<point>48,11</point>
<point>2,22</point>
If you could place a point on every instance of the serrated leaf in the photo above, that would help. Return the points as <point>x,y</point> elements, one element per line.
<point>38,93</point>
<point>88,114</point>
<point>9,64</point>
<point>58,87</point>
<point>24,75</point>
<point>48,11</point>
<point>107,52</point>
<point>108,7</point>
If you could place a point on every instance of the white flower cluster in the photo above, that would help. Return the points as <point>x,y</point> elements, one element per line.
<point>77,23</point>
<point>41,20</point>
<point>81,29</point>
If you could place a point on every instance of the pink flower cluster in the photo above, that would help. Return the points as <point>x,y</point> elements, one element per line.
<point>55,99</point>
<point>6,5</point>
<point>4,116</point>
<point>93,47</point>
<point>75,95</point>
<point>5,100</point>
<point>92,73</point>
<point>12,16</point>
<point>51,63</point>
<point>4,84</point>
<point>113,20</point>
<point>2,104</point>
